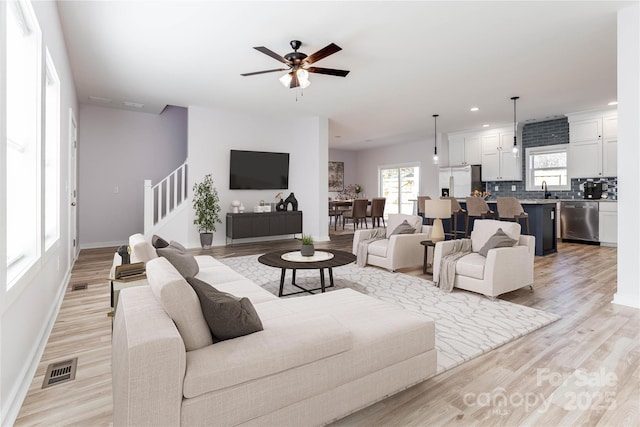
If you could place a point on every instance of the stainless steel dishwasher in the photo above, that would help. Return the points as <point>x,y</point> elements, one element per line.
<point>579,220</point>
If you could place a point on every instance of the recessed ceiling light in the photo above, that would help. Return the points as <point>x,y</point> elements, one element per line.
<point>613,103</point>
<point>133,104</point>
<point>99,99</point>
<point>486,125</point>
<point>474,109</point>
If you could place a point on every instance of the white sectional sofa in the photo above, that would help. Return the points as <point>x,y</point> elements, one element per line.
<point>318,358</point>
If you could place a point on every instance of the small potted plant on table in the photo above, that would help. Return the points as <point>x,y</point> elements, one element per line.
<point>307,248</point>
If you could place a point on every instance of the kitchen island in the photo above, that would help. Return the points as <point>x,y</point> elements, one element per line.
<point>542,222</point>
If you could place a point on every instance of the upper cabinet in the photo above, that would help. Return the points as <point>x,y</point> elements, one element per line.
<point>491,148</point>
<point>498,161</point>
<point>593,144</point>
<point>464,149</point>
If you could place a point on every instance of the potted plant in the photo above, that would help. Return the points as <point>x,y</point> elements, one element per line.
<point>307,248</point>
<point>207,206</point>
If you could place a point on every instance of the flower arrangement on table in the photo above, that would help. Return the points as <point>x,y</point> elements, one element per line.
<point>351,191</point>
<point>484,194</point>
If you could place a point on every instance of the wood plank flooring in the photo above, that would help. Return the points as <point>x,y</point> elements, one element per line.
<point>582,370</point>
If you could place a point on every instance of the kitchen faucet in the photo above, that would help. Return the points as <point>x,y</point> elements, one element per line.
<point>547,194</point>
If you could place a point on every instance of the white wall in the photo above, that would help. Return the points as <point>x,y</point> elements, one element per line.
<point>28,312</point>
<point>120,148</point>
<point>350,159</point>
<point>213,133</point>
<point>628,157</point>
<point>368,162</point>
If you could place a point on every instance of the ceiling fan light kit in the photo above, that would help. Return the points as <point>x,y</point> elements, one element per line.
<point>298,63</point>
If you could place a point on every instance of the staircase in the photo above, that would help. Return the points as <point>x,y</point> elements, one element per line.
<point>163,200</point>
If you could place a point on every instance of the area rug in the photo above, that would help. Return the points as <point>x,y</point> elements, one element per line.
<point>467,324</point>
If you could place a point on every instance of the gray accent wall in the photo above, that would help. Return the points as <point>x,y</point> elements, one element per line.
<point>118,150</point>
<point>550,132</point>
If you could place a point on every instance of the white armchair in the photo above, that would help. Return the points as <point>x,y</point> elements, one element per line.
<point>398,250</point>
<point>503,270</point>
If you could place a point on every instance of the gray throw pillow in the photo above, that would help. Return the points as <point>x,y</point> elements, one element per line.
<point>158,242</point>
<point>498,240</point>
<point>404,228</point>
<point>228,316</point>
<point>178,246</point>
<point>184,262</point>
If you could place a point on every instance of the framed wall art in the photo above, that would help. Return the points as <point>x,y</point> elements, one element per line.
<point>336,176</point>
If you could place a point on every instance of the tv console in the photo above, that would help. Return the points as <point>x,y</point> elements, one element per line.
<point>262,224</point>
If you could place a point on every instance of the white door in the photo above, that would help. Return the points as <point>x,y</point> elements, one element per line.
<point>73,191</point>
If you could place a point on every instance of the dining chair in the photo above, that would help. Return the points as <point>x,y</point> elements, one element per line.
<point>376,211</point>
<point>334,213</point>
<point>357,213</point>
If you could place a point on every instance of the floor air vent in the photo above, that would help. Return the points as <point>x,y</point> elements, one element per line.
<point>60,372</point>
<point>79,287</point>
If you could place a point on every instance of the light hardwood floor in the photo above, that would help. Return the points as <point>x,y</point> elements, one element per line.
<point>595,347</point>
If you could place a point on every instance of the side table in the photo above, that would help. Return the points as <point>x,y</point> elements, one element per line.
<point>428,262</point>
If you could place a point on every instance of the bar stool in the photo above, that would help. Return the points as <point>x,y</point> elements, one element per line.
<point>509,208</point>
<point>421,200</point>
<point>456,210</point>
<point>477,208</point>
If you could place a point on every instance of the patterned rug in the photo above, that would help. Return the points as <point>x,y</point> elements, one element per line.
<point>467,324</point>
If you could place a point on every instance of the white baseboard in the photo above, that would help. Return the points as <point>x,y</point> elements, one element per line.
<point>19,392</point>
<point>98,245</point>
<point>626,300</point>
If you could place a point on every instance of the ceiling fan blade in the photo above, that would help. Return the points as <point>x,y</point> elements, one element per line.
<point>323,53</point>
<point>272,54</point>
<point>330,71</point>
<point>294,81</point>
<point>265,71</point>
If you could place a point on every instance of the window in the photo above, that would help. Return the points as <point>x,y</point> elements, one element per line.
<point>51,155</point>
<point>547,163</point>
<point>400,186</point>
<point>23,89</point>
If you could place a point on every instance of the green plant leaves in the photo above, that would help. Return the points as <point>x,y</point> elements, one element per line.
<point>206,203</point>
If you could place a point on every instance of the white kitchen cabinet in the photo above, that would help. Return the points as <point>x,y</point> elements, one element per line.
<point>608,222</point>
<point>498,161</point>
<point>610,157</point>
<point>472,150</point>
<point>585,159</point>
<point>593,145</point>
<point>586,129</point>
<point>464,150</point>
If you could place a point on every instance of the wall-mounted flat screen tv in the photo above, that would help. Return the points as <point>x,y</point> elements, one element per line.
<point>258,170</point>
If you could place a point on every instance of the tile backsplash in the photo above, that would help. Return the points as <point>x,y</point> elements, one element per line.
<point>550,132</point>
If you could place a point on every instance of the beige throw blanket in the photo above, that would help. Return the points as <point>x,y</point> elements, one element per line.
<point>363,245</point>
<point>461,247</point>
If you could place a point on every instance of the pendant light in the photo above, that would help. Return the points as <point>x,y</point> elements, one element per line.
<point>435,139</point>
<point>515,130</point>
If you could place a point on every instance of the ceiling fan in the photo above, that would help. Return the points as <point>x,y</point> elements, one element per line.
<point>298,64</point>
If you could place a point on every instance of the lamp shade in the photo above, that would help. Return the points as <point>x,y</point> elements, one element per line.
<point>437,208</point>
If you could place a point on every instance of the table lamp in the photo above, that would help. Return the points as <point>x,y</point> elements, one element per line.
<point>437,210</point>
